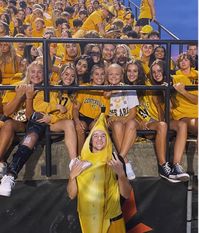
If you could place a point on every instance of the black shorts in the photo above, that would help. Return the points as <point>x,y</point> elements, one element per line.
<point>86,119</point>
<point>143,22</point>
<point>38,128</point>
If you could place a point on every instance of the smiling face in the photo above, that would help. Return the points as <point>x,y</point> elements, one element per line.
<point>98,76</point>
<point>68,76</point>
<point>114,74</point>
<point>159,53</point>
<point>108,52</point>
<point>98,140</point>
<point>132,72</point>
<point>147,50</point>
<point>157,73</point>
<point>36,74</point>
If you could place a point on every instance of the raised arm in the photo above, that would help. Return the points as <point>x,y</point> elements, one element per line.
<point>12,106</point>
<point>76,169</point>
<point>124,185</point>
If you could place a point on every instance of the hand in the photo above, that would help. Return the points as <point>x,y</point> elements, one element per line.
<point>79,126</point>
<point>30,93</point>
<point>116,165</point>
<point>180,87</point>
<point>111,120</point>
<point>77,168</point>
<point>144,125</point>
<point>20,90</point>
<point>45,119</point>
<point>61,108</point>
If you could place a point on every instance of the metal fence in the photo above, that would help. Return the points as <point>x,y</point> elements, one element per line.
<point>47,87</point>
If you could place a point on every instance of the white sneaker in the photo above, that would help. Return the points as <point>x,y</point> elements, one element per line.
<point>3,169</point>
<point>7,183</point>
<point>129,171</point>
<point>86,164</point>
<point>72,162</point>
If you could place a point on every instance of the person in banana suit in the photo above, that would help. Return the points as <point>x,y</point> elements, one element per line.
<point>99,181</point>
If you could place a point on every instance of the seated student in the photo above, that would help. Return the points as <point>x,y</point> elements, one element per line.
<point>149,118</point>
<point>98,179</point>
<point>57,113</point>
<point>185,103</point>
<point>186,67</point>
<point>122,116</point>
<point>87,107</point>
<point>15,112</point>
<point>158,77</point>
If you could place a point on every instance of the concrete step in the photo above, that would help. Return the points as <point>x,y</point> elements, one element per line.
<point>142,156</point>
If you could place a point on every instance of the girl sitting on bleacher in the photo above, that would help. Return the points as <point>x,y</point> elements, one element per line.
<point>57,113</point>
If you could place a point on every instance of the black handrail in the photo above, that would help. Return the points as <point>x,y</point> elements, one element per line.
<point>47,87</point>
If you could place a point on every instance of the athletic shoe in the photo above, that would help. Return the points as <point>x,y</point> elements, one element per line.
<point>165,171</point>
<point>7,184</point>
<point>129,172</point>
<point>3,169</point>
<point>86,164</point>
<point>76,160</point>
<point>178,173</point>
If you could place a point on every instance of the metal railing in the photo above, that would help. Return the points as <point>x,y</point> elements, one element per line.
<point>130,3</point>
<point>47,87</point>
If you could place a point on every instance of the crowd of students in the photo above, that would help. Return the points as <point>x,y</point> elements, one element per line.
<point>72,64</point>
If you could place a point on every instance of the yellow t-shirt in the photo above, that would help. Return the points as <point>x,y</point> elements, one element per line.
<point>9,72</point>
<point>92,21</point>
<point>19,114</point>
<point>91,103</point>
<point>39,105</point>
<point>146,110</point>
<point>182,107</point>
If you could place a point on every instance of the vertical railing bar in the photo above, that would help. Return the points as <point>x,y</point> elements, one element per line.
<point>167,97</point>
<point>46,98</point>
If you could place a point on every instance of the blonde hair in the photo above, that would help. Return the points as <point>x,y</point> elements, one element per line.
<point>27,76</point>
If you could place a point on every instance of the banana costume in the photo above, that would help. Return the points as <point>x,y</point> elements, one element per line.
<point>98,190</point>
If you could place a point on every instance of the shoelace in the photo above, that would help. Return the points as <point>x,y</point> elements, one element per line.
<point>179,168</point>
<point>167,168</point>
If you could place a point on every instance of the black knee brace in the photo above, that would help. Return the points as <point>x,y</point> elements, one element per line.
<point>19,159</point>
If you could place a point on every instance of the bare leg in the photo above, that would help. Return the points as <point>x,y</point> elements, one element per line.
<point>70,138</point>
<point>117,134</point>
<point>192,124</point>
<point>181,136</point>
<point>30,140</point>
<point>160,140</point>
<point>129,137</point>
<point>7,133</point>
